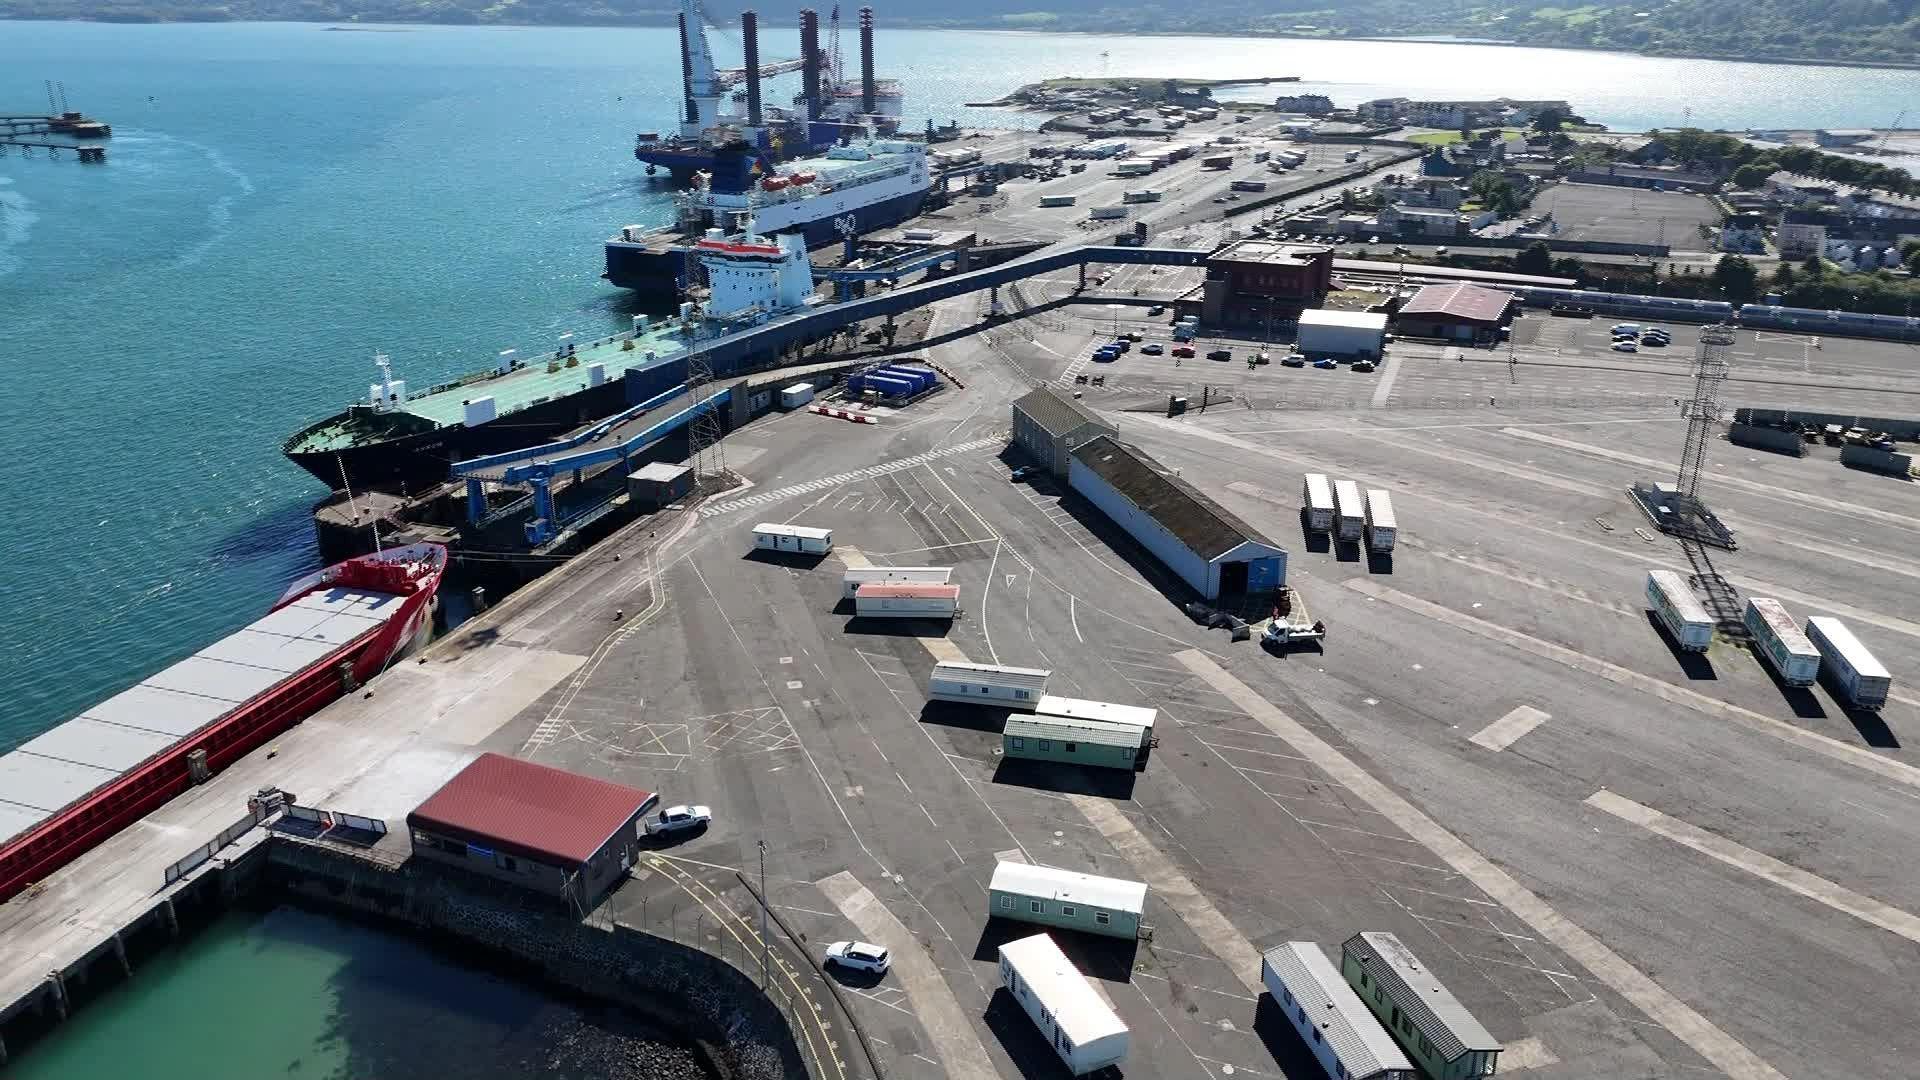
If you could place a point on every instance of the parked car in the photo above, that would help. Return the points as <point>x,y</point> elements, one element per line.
<point>1183,350</point>
<point>1363,365</point>
<point>859,956</point>
<point>1263,358</point>
<point>1220,354</point>
<point>1157,309</point>
<point>1653,339</point>
<point>1293,360</point>
<point>1625,345</point>
<point>1020,472</point>
<point>1325,363</point>
<point>679,819</point>
<point>1152,348</point>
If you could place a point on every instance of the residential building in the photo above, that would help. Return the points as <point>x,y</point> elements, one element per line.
<point>1417,1009</point>
<point>1658,178</point>
<point>1413,221</point>
<point>1458,312</point>
<point>1207,547</point>
<point>1048,426</point>
<point>1744,234</point>
<point>1433,193</point>
<point>1793,189</point>
<point>544,829</point>
<point>1305,104</point>
<point>1797,241</point>
<point>1439,163</point>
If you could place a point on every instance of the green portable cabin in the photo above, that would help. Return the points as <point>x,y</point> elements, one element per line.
<point>1074,742</point>
<point>1066,899</point>
<point>1421,1014</point>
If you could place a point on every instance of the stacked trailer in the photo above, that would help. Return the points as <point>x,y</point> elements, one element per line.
<point>988,684</point>
<point>1848,667</point>
<point>1785,648</point>
<point>1082,1030</point>
<point>1679,610</point>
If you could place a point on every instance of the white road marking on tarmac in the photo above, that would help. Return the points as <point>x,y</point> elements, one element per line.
<point>961,1053</point>
<point>1505,731</point>
<point>1676,1016</point>
<point>1666,691</point>
<point>1789,877</point>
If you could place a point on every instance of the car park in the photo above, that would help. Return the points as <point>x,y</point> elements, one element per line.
<point>1152,348</point>
<point>679,819</point>
<point>859,956</point>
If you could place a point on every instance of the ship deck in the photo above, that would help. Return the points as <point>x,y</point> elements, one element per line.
<point>64,765</point>
<point>533,383</point>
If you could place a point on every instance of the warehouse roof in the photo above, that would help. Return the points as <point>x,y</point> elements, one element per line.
<point>1470,302</point>
<point>530,809</point>
<point>1057,414</point>
<point>1430,1005</point>
<point>1204,526</point>
<point>1026,879</point>
<point>1357,1039</point>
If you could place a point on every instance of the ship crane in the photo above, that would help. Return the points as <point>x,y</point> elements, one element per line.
<point>731,77</point>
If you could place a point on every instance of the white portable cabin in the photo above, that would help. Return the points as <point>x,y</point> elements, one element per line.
<point>1350,514</point>
<point>1786,649</point>
<point>1847,665</point>
<point>796,395</point>
<point>1105,712</point>
<point>768,536</point>
<point>1679,610</point>
<point>988,684</point>
<point>1316,498</point>
<point>1332,1020</point>
<point>857,576</point>
<point>884,601</point>
<point>1382,530</point>
<point>1081,1028</point>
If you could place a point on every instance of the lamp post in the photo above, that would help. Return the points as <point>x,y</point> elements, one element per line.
<point>764,946</point>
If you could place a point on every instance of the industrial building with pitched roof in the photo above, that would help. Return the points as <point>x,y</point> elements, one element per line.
<point>1457,312</point>
<point>1049,427</point>
<point>1210,549</point>
<point>538,827</point>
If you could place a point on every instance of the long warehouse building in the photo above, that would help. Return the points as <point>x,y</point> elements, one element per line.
<point>1209,548</point>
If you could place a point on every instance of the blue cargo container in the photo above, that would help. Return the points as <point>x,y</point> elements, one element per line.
<point>888,387</point>
<point>924,378</point>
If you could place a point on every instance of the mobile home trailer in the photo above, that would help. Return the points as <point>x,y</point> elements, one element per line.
<point>987,684</point>
<point>1074,742</point>
<point>1849,668</point>
<point>857,576</point>
<point>1350,513</point>
<point>1785,648</point>
<point>1105,712</point>
<point>771,536</point>
<point>898,601</point>
<point>1679,610</point>
<point>1066,899</point>
<point>1083,1031</point>
<point>1332,1021</point>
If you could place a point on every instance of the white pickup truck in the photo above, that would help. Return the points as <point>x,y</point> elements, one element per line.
<point>1291,622</point>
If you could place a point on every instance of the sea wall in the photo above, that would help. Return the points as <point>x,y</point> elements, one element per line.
<point>715,1004</point>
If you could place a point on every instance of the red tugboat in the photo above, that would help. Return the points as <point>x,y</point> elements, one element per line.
<point>77,784</point>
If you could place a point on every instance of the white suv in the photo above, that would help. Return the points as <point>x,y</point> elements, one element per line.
<point>859,956</point>
<point>678,819</point>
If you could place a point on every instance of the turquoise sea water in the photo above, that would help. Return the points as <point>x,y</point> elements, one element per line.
<point>293,995</point>
<point>283,200</point>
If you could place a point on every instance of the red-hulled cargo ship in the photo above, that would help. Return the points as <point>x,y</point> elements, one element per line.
<point>77,784</point>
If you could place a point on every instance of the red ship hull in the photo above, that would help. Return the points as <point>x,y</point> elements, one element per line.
<point>409,575</point>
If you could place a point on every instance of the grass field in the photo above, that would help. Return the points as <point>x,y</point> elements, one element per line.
<point>1448,138</point>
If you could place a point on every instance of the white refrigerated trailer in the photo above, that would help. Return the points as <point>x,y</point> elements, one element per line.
<point>882,601</point>
<point>1849,668</point>
<point>1382,530</point>
<point>1786,649</point>
<point>1083,1031</point>
<point>1316,499</point>
<point>770,536</point>
<point>1681,612</point>
<point>1350,513</point>
<point>857,576</point>
<point>987,684</point>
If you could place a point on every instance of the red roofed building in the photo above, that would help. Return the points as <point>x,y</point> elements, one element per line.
<point>538,827</point>
<point>1459,312</point>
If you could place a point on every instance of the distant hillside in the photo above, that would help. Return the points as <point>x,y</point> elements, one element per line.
<point>1864,31</point>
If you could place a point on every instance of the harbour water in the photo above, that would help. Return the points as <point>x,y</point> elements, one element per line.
<point>289,993</point>
<point>282,200</point>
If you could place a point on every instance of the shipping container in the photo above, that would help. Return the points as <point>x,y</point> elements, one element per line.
<point>1786,649</point>
<point>1850,670</point>
<point>857,576</point>
<point>1066,899</point>
<point>1145,195</point>
<point>1248,185</point>
<point>1133,167</point>
<point>1350,513</point>
<point>1107,213</point>
<point>880,601</point>
<point>1679,610</point>
<point>924,377</point>
<point>1316,499</point>
<point>1057,200</point>
<point>1081,1028</point>
<point>770,536</point>
<point>796,395</point>
<point>1217,161</point>
<point>1382,530</point>
<point>994,684</point>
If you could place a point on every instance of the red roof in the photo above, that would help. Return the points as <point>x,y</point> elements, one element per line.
<point>1470,302</point>
<point>534,810</point>
<point>909,591</point>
